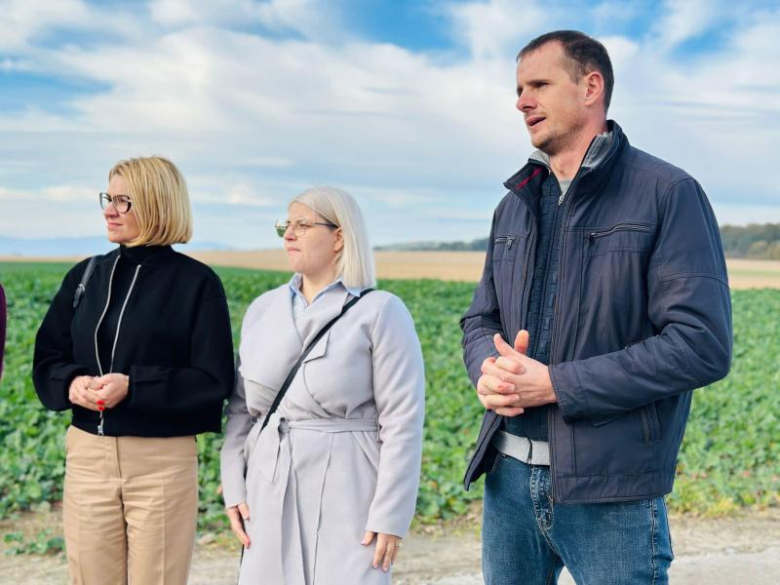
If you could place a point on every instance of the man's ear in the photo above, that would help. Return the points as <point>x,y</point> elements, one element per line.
<point>594,88</point>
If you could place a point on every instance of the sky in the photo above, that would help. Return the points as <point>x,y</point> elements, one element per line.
<point>409,106</point>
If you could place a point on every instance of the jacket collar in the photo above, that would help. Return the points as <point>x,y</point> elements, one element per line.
<point>297,280</point>
<point>146,255</point>
<point>141,254</point>
<point>595,165</point>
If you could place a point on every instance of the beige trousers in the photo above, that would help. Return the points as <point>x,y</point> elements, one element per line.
<point>130,508</point>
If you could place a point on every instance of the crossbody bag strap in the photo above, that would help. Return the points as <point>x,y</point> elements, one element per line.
<point>306,351</point>
<point>84,280</point>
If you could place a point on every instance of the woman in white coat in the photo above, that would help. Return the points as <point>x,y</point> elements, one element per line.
<point>325,493</point>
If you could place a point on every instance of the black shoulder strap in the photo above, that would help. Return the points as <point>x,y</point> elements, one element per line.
<point>306,351</point>
<point>84,280</point>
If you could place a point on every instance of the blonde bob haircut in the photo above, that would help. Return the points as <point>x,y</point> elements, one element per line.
<point>355,264</point>
<point>159,199</point>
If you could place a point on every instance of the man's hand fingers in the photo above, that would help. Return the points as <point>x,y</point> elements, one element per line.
<point>503,347</point>
<point>494,401</point>
<point>510,412</point>
<point>505,376</point>
<point>522,341</point>
<point>492,385</point>
<point>508,365</point>
<point>489,360</point>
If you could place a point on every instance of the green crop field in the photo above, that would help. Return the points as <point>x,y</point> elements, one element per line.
<point>730,457</point>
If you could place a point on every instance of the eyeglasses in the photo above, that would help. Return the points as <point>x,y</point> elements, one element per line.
<point>299,226</point>
<point>121,203</point>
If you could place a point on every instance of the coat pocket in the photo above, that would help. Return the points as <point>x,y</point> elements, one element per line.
<point>651,426</point>
<point>622,237</point>
<point>510,264</point>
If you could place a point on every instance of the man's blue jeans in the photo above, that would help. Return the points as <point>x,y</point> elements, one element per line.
<point>527,539</point>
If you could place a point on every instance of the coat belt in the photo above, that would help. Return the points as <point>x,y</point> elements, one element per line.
<point>271,455</point>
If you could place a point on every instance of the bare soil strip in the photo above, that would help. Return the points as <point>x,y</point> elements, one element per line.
<point>740,549</point>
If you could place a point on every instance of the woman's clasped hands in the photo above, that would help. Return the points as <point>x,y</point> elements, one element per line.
<point>99,392</point>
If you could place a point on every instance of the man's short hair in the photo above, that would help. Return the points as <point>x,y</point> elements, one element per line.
<point>585,54</point>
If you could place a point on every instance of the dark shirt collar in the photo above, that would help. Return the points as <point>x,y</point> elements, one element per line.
<point>140,254</point>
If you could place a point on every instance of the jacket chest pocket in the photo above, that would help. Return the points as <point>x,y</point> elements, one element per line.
<point>613,285</point>
<point>510,253</point>
<point>623,237</point>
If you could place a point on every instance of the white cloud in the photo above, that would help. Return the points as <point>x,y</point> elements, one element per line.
<point>420,139</point>
<point>308,18</point>
<point>244,194</point>
<point>22,19</point>
<point>685,19</point>
<point>24,23</point>
<point>498,29</point>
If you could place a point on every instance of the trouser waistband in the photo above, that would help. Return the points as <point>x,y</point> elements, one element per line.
<point>522,448</point>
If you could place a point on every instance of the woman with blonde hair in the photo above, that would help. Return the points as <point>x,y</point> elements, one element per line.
<point>321,461</point>
<point>137,344</point>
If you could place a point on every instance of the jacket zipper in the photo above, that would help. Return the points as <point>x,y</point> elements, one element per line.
<point>508,239</point>
<point>99,323</point>
<point>100,429</point>
<point>556,320</point>
<point>527,291</point>
<point>625,227</point>
<point>553,345</point>
<point>122,314</point>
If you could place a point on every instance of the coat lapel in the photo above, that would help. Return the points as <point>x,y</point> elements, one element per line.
<point>271,344</point>
<point>319,313</point>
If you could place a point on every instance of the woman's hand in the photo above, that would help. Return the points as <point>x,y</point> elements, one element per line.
<point>81,394</point>
<point>238,515</point>
<point>111,389</point>
<point>386,550</point>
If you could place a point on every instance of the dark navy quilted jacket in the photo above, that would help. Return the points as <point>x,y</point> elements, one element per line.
<point>642,318</point>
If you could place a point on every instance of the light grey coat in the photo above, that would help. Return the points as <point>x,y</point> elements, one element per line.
<point>342,453</point>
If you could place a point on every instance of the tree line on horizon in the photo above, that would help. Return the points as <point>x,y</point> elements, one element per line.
<point>753,241</point>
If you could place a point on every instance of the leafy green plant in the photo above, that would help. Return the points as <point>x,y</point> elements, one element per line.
<point>44,543</point>
<point>729,460</point>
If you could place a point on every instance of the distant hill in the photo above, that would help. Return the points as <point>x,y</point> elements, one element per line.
<point>479,245</point>
<point>754,241</point>
<point>77,246</point>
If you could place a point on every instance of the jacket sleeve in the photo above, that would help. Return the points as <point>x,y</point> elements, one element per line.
<point>206,381</point>
<point>53,365</point>
<point>689,306</point>
<point>482,319</point>
<point>232,463</point>
<point>399,393</point>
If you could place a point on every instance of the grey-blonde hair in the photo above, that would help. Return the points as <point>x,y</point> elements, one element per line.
<point>356,261</point>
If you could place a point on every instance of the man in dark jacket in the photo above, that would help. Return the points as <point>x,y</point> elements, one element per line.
<point>603,304</point>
